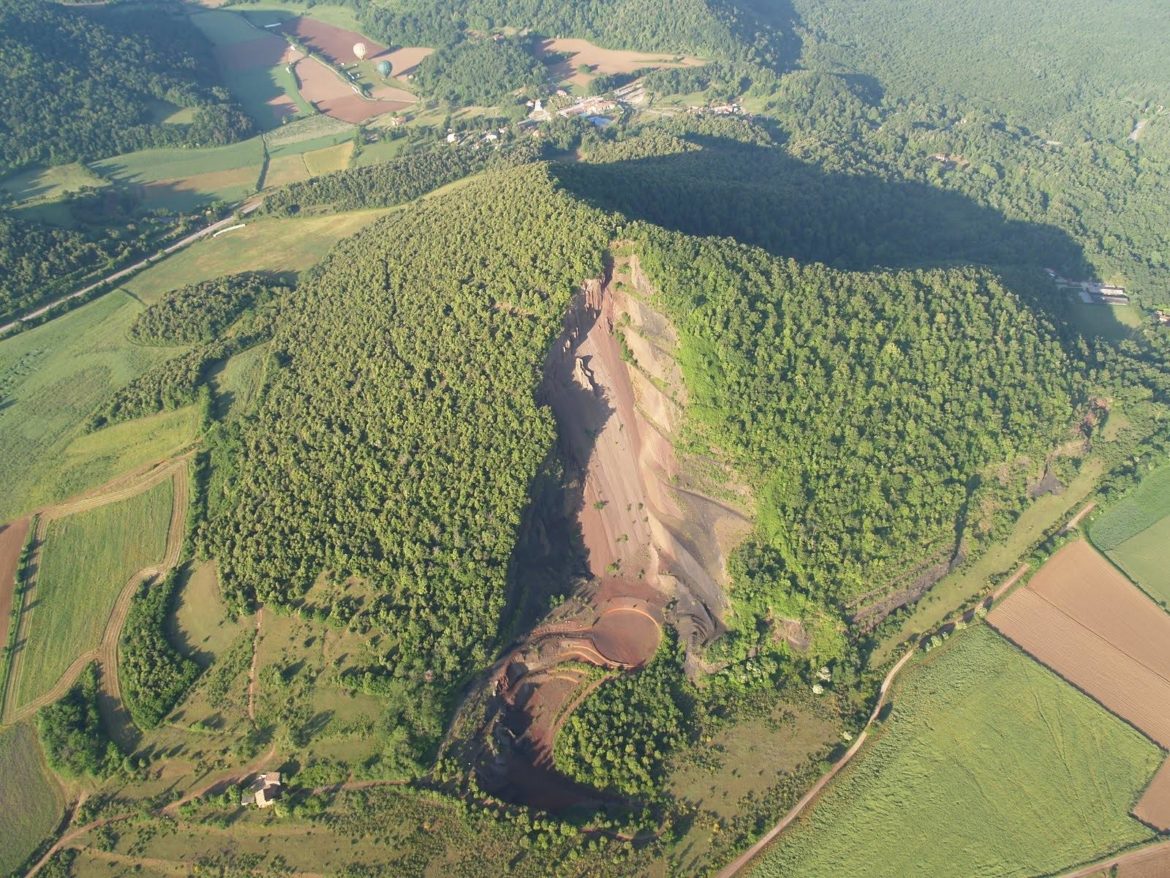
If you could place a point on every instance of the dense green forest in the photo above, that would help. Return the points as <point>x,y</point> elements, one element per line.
<point>399,431</point>
<point>865,406</point>
<point>396,181</point>
<point>90,80</point>
<point>480,71</point>
<point>154,676</point>
<point>39,261</point>
<point>619,738</point>
<point>200,312</point>
<point>75,739</point>
<point>714,28</point>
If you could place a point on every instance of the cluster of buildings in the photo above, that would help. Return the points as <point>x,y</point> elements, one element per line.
<point>1091,292</point>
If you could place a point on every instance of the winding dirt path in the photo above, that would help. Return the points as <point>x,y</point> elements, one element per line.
<point>743,859</point>
<point>1076,519</point>
<point>106,653</point>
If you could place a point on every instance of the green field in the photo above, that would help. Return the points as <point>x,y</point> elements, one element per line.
<point>1135,533</point>
<point>86,560</point>
<point>1143,558</point>
<point>1141,508</point>
<point>225,28</point>
<point>255,88</point>
<point>48,184</point>
<point>153,165</point>
<point>988,765</point>
<point>52,377</point>
<point>30,800</point>
<point>302,147</point>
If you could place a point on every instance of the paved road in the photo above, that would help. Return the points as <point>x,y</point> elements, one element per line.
<point>137,266</point>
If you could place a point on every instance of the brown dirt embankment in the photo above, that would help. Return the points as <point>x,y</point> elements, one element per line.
<point>650,542</point>
<point>12,538</point>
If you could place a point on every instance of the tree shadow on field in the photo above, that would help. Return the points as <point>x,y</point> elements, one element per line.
<point>764,197</point>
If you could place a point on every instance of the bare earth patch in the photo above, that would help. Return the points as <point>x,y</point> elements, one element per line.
<point>12,537</point>
<point>405,61</point>
<point>333,42</point>
<point>321,85</point>
<point>1154,806</point>
<point>606,61</point>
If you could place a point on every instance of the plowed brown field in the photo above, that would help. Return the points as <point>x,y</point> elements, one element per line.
<point>1154,807</point>
<point>333,42</point>
<point>333,97</point>
<point>1083,619</point>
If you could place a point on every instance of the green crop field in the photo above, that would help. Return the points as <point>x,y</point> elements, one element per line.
<point>302,147</point>
<point>30,800</point>
<point>1141,508</point>
<point>152,165</point>
<point>86,560</point>
<point>1143,558</point>
<point>52,377</point>
<point>989,764</point>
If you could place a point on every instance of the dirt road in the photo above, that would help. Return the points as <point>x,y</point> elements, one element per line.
<point>743,859</point>
<point>131,269</point>
<point>252,667</point>
<point>1153,856</point>
<point>106,652</point>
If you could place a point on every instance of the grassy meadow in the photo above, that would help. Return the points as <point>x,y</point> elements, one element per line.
<point>48,184</point>
<point>988,764</point>
<point>30,799</point>
<point>86,560</point>
<point>52,377</point>
<point>200,626</point>
<point>238,382</point>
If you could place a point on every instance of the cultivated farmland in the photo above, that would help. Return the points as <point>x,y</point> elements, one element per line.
<point>30,800</point>
<point>987,765</point>
<point>1135,533</point>
<point>86,561</point>
<point>1082,618</point>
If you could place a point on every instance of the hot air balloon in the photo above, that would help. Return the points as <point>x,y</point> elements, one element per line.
<point>359,51</point>
<point>383,68</point>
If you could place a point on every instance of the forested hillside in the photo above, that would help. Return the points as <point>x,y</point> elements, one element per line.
<point>714,28</point>
<point>84,83</point>
<point>865,406</point>
<point>399,433</point>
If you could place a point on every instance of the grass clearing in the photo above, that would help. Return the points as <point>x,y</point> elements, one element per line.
<point>86,560</point>
<point>284,170</point>
<point>989,764</point>
<point>268,94</point>
<point>30,799</point>
<point>316,144</point>
<point>1109,322</point>
<point>48,184</point>
<point>187,194</point>
<point>382,151</point>
<point>237,384</point>
<point>200,625</point>
<point>330,159</point>
<point>154,165</point>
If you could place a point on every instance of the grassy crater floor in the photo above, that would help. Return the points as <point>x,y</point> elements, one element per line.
<point>988,765</point>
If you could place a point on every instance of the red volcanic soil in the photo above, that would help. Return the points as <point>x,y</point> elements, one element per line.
<point>267,50</point>
<point>333,42</point>
<point>12,537</point>
<point>627,635</point>
<point>333,97</point>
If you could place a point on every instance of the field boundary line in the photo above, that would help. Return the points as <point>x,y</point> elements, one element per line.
<point>1135,855</point>
<point>22,579</point>
<point>747,856</point>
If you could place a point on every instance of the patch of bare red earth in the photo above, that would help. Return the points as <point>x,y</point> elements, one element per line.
<point>12,539</point>
<point>333,42</point>
<point>1083,619</point>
